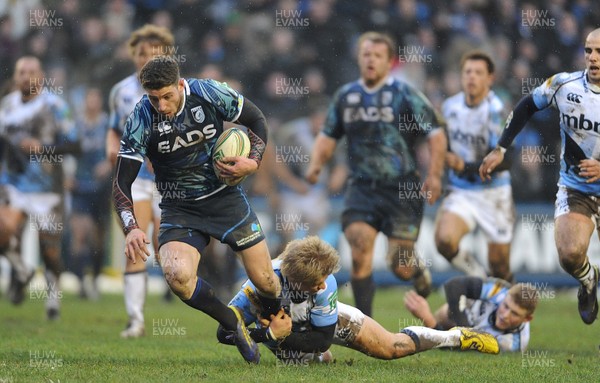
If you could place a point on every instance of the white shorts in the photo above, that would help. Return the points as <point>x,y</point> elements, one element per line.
<point>349,324</point>
<point>145,190</point>
<point>312,207</point>
<point>32,204</point>
<point>492,209</point>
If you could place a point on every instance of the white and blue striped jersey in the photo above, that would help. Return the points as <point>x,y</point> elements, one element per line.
<point>122,100</point>
<point>472,133</point>
<point>46,118</point>
<point>318,309</point>
<point>481,314</point>
<point>577,102</point>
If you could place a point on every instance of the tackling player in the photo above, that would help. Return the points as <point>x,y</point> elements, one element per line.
<point>474,117</point>
<point>175,126</point>
<point>576,97</point>
<point>490,305</point>
<point>144,44</point>
<point>37,129</point>
<point>383,120</point>
<point>316,319</point>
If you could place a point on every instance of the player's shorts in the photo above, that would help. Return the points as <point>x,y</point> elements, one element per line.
<point>573,201</point>
<point>492,209</point>
<point>42,209</point>
<point>226,216</point>
<point>143,190</point>
<point>96,205</point>
<point>395,209</point>
<point>349,324</point>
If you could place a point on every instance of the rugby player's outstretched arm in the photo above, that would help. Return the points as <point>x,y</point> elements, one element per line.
<point>322,152</point>
<point>515,123</point>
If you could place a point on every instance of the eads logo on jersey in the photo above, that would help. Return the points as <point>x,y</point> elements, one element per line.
<point>580,123</point>
<point>188,139</point>
<point>369,114</point>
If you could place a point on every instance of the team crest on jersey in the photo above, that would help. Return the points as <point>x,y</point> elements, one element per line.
<point>386,98</point>
<point>353,98</point>
<point>164,128</point>
<point>198,114</point>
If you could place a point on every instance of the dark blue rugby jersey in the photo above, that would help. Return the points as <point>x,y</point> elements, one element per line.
<point>180,148</point>
<point>382,127</point>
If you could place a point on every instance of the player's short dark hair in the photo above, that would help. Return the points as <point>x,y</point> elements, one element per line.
<point>478,55</point>
<point>159,72</point>
<point>155,35</point>
<point>379,38</point>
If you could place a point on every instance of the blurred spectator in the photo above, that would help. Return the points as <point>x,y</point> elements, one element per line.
<point>304,209</point>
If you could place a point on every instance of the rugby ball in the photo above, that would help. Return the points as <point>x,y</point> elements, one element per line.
<point>231,143</point>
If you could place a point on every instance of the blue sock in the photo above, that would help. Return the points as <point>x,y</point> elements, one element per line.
<point>204,299</point>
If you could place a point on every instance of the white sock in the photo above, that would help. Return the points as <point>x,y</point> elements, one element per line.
<point>53,291</point>
<point>464,262</point>
<point>135,295</point>
<point>430,338</point>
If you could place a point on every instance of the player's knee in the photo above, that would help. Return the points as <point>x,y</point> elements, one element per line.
<point>181,284</point>
<point>446,246</point>
<point>571,255</point>
<point>571,261</point>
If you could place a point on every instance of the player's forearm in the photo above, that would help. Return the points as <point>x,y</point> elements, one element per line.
<point>318,339</point>
<point>323,150</point>
<point>254,119</point>
<point>125,173</point>
<point>437,147</point>
<point>517,120</point>
<point>455,289</point>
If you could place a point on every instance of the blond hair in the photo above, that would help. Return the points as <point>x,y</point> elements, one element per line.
<point>525,296</point>
<point>153,34</point>
<point>309,259</point>
<point>379,38</point>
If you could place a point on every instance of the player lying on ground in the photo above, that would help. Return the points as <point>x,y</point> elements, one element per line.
<point>490,305</point>
<point>316,320</point>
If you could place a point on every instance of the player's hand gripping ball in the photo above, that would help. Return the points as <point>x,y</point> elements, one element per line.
<point>232,142</point>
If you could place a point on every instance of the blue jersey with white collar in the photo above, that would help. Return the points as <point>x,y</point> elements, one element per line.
<point>472,132</point>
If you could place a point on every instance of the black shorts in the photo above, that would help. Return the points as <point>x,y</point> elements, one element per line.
<point>394,210</point>
<point>226,216</point>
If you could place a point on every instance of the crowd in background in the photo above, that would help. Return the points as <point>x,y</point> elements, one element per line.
<point>290,56</point>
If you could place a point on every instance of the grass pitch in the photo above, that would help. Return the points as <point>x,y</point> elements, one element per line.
<point>180,346</point>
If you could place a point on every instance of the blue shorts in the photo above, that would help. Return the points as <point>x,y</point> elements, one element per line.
<point>226,216</point>
<point>96,205</point>
<point>395,209</point>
